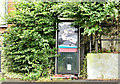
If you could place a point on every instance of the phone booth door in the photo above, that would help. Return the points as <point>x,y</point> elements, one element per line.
<point>68,61</point>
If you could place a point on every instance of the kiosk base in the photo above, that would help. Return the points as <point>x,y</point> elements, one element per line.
<point>64,77</point>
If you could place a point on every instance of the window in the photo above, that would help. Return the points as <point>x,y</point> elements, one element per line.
<point>3,11</point>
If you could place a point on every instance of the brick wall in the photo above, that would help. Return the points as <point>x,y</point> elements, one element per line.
<point>10,8</point>
<point>3,29</point>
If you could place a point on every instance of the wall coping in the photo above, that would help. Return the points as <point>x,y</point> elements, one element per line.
<point>103,53</point>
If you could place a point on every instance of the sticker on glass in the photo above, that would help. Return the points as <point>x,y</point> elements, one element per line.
<point>68,66</point>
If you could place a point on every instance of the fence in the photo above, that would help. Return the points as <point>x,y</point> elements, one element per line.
<point>102,44</point>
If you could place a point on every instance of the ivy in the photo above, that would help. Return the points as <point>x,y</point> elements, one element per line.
<point>88,15</point>
<point>30,41</point>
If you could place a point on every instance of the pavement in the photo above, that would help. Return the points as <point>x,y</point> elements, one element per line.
<point>58,81</point>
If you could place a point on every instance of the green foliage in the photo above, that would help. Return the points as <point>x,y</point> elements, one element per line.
<point>88,15</point>
<point>30,41</point>
<point>83,72</point>
<point>2,79</point>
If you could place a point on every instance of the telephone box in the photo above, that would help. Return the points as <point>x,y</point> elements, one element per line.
<point>68,61</point>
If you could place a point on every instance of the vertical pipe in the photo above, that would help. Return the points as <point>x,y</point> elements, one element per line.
<point>56,47</point>
<point>79,48</point>
<point>100,43</point>
<point>0,60</point>
<point>118,25</point>
<point>0,54</point>
<point>90,44</point>
<point>118,29</point>
<point>96,46</point>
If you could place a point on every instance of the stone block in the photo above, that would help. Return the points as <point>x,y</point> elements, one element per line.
<point>103,65</point>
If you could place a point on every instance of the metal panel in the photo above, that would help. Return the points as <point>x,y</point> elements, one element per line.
<point>67,63</point>
<point>67,50</point>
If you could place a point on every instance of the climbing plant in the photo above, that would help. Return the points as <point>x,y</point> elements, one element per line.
<point>30,41</point>
<point>88,15</point>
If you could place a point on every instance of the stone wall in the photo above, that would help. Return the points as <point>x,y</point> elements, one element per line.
<point>102,65</point>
